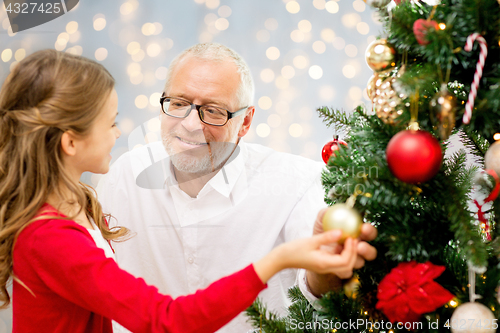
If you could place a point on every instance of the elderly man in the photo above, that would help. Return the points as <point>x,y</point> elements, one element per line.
<point>203,203</point>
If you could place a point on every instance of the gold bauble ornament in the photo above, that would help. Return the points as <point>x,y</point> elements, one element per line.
<point>387,102</point>
<point>442,111</point>
<point>351,287</point>
<point>492,158</point>
<point>476,316</point>
<point>380,55</point>
<point>342,217</point>
<point>370,86</point>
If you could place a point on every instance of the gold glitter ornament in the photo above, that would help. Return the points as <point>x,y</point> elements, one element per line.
<point>387,102</point>
<point>380,55</point>
<point>442,111</point>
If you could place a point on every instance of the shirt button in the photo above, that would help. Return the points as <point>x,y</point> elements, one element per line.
<point>190,260</point>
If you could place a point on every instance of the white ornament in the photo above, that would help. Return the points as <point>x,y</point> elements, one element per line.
<point>473,317</point>
<point>492,158</point>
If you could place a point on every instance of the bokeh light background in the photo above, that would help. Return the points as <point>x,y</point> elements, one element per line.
<point>303,55</point>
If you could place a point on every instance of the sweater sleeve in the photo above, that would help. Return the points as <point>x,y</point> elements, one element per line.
<point>69,263</point>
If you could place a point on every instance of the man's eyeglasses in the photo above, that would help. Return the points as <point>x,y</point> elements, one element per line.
<point>211,115</point>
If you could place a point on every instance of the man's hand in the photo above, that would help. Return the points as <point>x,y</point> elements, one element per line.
<point>319,284</point>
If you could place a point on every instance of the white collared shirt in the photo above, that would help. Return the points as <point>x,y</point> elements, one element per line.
<point>258,200</point>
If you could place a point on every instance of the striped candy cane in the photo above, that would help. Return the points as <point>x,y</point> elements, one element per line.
<point>477,75</point>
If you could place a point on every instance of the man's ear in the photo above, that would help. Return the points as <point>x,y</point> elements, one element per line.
<point>245,127</point>
<point>68,143</point>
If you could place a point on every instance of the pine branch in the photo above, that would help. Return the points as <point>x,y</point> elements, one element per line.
<point>267,322</point>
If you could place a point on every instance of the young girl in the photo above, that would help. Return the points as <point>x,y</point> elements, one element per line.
<point>57,120</point>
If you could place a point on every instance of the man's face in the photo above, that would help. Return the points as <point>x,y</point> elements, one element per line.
<point>194,146</point>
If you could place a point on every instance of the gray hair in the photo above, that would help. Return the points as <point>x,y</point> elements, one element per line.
<point>219,52</point>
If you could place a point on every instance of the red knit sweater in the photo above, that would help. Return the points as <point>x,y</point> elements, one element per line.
<point>75,288</point>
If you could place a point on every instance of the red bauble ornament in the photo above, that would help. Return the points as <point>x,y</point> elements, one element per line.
<point>331,147</point>
<point>409,291</point>
<point>421,28</point>
<point>414,156</point>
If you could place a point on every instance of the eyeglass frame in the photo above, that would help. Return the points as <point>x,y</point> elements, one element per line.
<point>230,114</point>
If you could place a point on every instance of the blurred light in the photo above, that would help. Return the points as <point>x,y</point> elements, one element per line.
<point>74,37</point>
<point>305,26</point>
<point>20,54</point>
<point>210,19</point>
<point>126,125</point>
<point>60,44</point>
<point>6,23</point>
<point>136,78</point>
<point>153,50</point>
<point>154,99</point>
<point>319,47</point>
<point>273,53</point>
<point>496,136</point>
<point>263,130</point>
<point>133,69</point>
<point>139,56</point>
<point>274,120</point>
<point>297,36</point>
<point>359,5</point>
<point>355,93</point>
<point>148,29</point>
<point>300,62</point>
<point>288,72</point>
<point>150,137</point>
<point>199,1</point>
<point>267,75</point>
<point>265,103</point>
<point>212,29</point>
<point>222,24</point>
<point>351,50</point>
<point>101,54</point>
<point>315,72</point>
<point>282,108</point>
<point>338,43</point>
<point>99,23</point>
<point>133,48</point>
<point>71,27</point>
<point>263,35</point>
<point>63,36</point>
<point>205,37</point>
<point>350,20</point>
<point>332,7</point>
<point>349,71</point>
<point>141,101</point>
<point>319,4</point>
<point>282,83</point>
<point>363,28</point>
<point>453,303</point>
<point>154,124</point>
<point>158,28</point>
<point>327,93</point>
<point>126,8</point>
<point>76,50</point>
<point>13,65</point>
<point>271,24</point>
<point>295,130</point>
<point>442,26</point>
<point>6,55</point>
<point>224,11</point>
<point>212,4</point>
<point>161,73</point>
<point>327,35</point>
<point>293,7</point>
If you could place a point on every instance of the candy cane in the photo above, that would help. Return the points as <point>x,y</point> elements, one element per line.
<point>477,75</point>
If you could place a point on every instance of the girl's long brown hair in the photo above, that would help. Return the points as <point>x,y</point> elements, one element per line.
<point>45,95</point>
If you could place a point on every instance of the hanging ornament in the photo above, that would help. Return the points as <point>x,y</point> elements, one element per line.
<point>409,290</point>
<point>486,189</point>
<point>414,156</point>
<point>477,75</point>
<point>472,317</point>
<point>387,101</point>
<point>330,148</point>
<point>421,28</point>
<point>442,111</point>
<point>492,158</point>
<point>380,55</point>
<point>351,286</point>
<point>371,86</point>
<point>343,217</point>
<point>378,3</point>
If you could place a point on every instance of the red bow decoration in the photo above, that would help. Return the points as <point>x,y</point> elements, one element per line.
<point>409,291</point>
<point>421,28</point>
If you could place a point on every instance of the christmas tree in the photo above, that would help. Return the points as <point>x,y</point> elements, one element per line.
<point>436,75</point>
